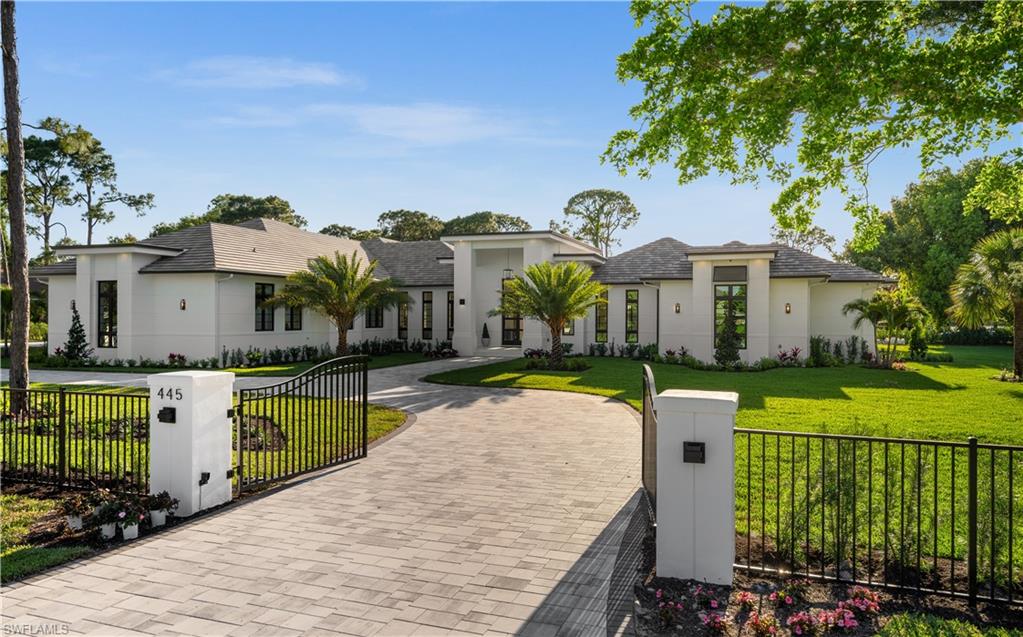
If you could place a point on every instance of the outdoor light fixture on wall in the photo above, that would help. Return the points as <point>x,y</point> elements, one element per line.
<point>507,273</point>
<point>678,308</point>
<point>72,304</point>
<point>182,305</point>
<point>788,308</point>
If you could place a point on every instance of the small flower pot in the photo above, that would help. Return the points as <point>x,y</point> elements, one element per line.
<point>74,522</point>
<point>158,517</point>
<point>130,532</point>
<point>108,531</point>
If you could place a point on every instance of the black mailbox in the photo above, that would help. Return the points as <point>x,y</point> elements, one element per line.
<point>167,414</point>
<point>695,452</point>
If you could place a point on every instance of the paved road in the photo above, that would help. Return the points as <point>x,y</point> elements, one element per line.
<point>496,512</point>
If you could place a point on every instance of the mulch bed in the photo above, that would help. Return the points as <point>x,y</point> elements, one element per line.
<point>700,600</point>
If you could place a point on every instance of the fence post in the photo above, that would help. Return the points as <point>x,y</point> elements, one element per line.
<point>62,439</point>
<point>239,448</point>
<point>365,407</point>
<point>971,568</point>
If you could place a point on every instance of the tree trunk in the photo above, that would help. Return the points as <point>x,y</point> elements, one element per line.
<point>557,351</point>
<point>16,207</point>
<point>1017,337</point>
<point>342,338</point>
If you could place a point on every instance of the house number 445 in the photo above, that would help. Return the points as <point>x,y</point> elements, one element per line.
<point>169,393</point>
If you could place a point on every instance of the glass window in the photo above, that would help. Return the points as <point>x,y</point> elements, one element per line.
<point>734,295</point>
<point>293,318</point>
<point>632,316</point>
<point>107,308</point>
<point>729,274</point>
<point>569,329</point>
<point>375,317</point>
<point>427,316</point>
<point>264,314</point>
<point>601,319</point>
<point>451,314</point>
<point>403,320</point>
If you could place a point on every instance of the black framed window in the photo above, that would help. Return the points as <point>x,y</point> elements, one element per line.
<point>601,319</point>
<point>264,314</point>
<point>403,320</point>
<point>569,329</point>
<point>293,318</point>
<point>375,317</point>
<point>427,316</point>
<point>735,296</point>
<point>632,316</point>
<point>451,314</point>
<point>107,313</point>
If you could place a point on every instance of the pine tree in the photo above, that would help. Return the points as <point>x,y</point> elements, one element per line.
<point>77,346</point>
<point>727,352</point>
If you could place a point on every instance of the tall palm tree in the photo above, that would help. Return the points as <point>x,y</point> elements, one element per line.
<point>897,312</point>
<point>338,287</point>
<point>553,294</point>
<point>991,284</point>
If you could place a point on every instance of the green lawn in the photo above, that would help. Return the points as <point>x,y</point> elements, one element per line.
<point>946,401</point>
<point>17,514</point>
<point>283,369</point>
<point>911,625</point>
<point>795,495</point>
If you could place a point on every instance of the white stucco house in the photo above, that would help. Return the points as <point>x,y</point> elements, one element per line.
<point>198,291</point>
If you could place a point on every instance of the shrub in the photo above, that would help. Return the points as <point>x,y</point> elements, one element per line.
<point>37,331</point>
<point>789,358</point>
<point>726,352</point>
<point>917,344</point>
<point>568,365</point>
<point>992,335</point>
<point>77,346</point>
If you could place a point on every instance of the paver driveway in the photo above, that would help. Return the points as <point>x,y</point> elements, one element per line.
<point>497,511</point>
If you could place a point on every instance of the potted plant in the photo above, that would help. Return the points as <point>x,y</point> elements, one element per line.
<point>74,508</point>
<point>106,517</point>
<point>99,499</point>
<point>485,338</point>
<point>129,516</point>
<point>159,506</point>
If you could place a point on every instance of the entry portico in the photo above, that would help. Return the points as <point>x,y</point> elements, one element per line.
<point>483,262</point>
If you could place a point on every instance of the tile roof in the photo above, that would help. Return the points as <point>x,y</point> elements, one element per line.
<point>414,263</point>
<point>67,266</point>
<point>668,258</point>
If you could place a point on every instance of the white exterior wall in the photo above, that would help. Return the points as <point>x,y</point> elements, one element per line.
<point>677,330</point>
<point>792,329</point>
<point>616,316</point>
<point>826,318</point>
<point>489,264</point>
<point>159,326</point>
<point>60,293</point>
<point>415,316</point>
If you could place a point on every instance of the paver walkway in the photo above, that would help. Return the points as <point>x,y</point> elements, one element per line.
<point>497,511</point>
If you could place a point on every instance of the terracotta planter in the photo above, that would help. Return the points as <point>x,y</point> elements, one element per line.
<point>130,532</point>
<point>108,531</point>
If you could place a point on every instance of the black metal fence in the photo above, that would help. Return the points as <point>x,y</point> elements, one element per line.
<point>75,438</point>
<point>314,420</point>
<point>928,516</point>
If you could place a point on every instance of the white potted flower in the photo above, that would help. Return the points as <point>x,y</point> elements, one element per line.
<point>130,513</point>
<point>74,508</point>
<point>160,505</point>
<point>106,517</point>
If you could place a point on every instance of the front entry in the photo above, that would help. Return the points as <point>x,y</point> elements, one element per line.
<point>511,326</point>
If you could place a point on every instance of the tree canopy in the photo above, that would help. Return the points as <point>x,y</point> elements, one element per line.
<point>96,177</point>
<point>928,234</point>
<point>484,222</point>
<point>806,239</point>
<point>350,232</point>
<point>232,209</point>
<point>809,94</point>
<point>596,216</point>
<point>409,225</point>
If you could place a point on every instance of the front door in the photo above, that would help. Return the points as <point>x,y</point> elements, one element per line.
<point>511,327</point>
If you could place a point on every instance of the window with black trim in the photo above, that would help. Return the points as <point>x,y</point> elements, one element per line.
<point>729,274</point>
<point>733,295</point>
<point>106,306</point>
<point>451,314</point>
<point>569,329</point>
<point>293,318</point>
<point>403,320</point>
<point>632,316</point>
<point>374,317</point>
<point>264,314</point>
<point>600,313</point>
<point>427,316</point>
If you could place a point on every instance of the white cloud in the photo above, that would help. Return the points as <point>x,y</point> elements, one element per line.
<point>257,117</point>
<point>247,72</point>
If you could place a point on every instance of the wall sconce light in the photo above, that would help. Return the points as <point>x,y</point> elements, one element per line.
<point>461,301</point>
<point>72,304</point>
<point>507,273</point>
<point>678,308</point>
<point>183,305</point>
<point>788,308</point>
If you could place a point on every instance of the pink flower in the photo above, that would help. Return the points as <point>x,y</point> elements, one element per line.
<point>713,603</point>
<point>659,593</point>
<point>788,599</point>
<point>121,515</point>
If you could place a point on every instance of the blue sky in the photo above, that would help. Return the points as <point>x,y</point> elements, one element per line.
<point>347,110</point>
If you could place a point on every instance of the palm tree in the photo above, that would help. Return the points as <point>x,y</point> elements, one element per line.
<point>891,309</point>
<point>991,284</point>
<point>553,294</point>
<point>339,288</point>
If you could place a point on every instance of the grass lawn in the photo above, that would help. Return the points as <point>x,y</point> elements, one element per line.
<point>284,369</point>
<point>946,401</point>
<point>913,625</point>
<point>17,515</point>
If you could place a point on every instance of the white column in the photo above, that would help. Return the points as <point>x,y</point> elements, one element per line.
<point>190,435</point>
<point>696,501</point>
<point>465,339</point>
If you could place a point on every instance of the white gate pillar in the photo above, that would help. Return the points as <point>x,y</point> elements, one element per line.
<point>696,485</point>
<point>190,437</point>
